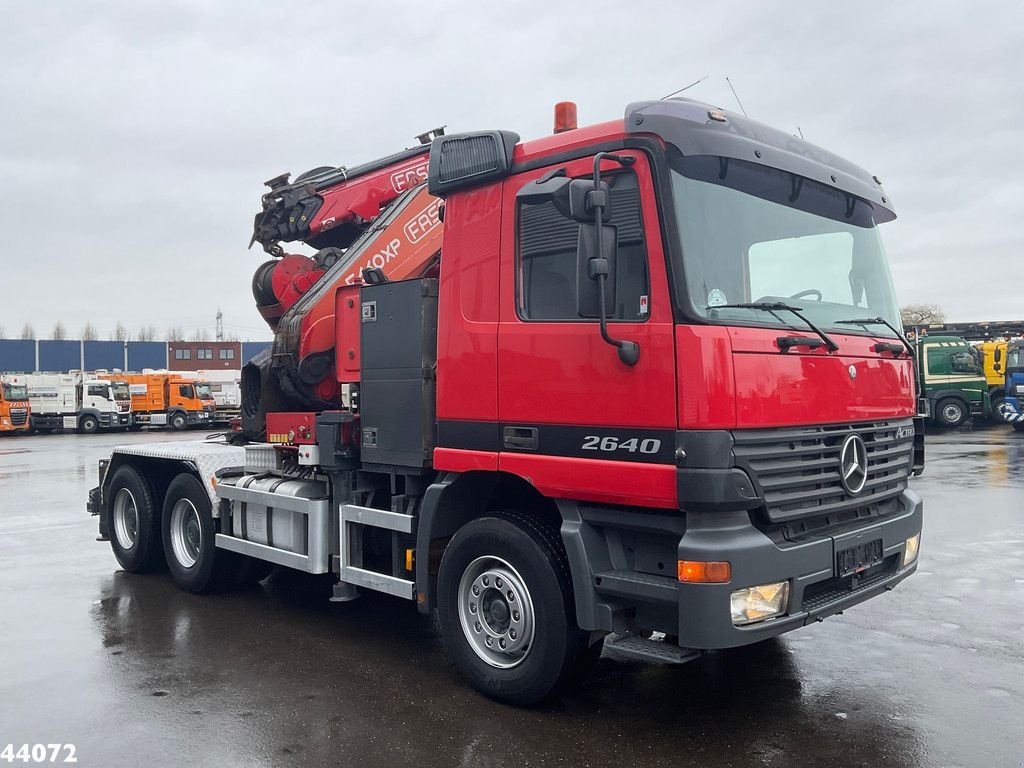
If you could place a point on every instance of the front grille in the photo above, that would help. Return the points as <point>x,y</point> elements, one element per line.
<point>796,470</point>
<point>824,593</point>
<point>19,416</point>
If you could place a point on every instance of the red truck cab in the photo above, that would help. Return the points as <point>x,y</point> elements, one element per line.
<point>747,473</point>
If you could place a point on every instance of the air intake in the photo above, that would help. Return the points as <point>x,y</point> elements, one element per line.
<point>466,159</point>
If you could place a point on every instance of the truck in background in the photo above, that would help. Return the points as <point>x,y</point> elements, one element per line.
<point>75,400</point>
<point>1012,407</point>
<point>14,407</point>
<point>952,380</point>
<point>225,388</point>
<point>162,399</point>
<point>649,390</point>
<point>993,360</point>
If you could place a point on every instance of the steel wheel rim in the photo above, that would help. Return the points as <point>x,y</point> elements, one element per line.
<point>951,412</point>
<point>496,612</point>
<point>186,533</point>
<point>126,519</point>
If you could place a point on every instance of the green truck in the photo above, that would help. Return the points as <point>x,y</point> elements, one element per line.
<point>952,379</point>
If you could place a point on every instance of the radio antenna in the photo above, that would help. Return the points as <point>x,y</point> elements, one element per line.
<point>800,132</point>
<point>685,88</point>
<point>736,96</point>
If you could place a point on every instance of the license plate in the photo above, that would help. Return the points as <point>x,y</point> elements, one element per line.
<point>859,558</point>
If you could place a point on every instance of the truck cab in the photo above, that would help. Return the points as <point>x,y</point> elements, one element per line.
<point>993,363</point>
<point>953,380</point>
<point>1013,403</point>
<point>76,401</point>
<point>14,407</point>
<point>166,399</point>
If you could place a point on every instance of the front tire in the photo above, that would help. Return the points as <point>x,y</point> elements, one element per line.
<point>951,412</point>
<point>88,424</point>
<point>506,607</point>
<point>178,421</point>
<point>134,523</point>
<point>188,529</point>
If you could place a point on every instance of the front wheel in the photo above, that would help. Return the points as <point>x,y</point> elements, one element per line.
<point>506,607</point>
<point>88,424</point>
<point>178,421</point>
<point>951,413</point>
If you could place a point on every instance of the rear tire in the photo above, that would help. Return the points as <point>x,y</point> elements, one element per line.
<point>134,522</point>
<point>88,424</point>
<point>505,578</point>
<point>178,421</point>
<point>188,530</point>
<point>951,412</point>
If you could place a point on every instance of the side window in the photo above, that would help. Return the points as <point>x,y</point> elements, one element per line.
<point>185,390</point>
<point>97,390</point>
<point>937,361</point>
<point>963,362</point>
<point>546,257</point>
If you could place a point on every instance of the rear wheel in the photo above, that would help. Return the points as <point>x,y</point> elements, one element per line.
<point>88,424</point>
<point>506,607</point>
<point>188,537</point>
<point>178,421</point>
<point>951,412</point>
<point>134,525</point>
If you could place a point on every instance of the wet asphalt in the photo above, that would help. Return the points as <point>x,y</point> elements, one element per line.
<point>135,673</point>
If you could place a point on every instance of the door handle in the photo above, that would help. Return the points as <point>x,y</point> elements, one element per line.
<point>520,438</point>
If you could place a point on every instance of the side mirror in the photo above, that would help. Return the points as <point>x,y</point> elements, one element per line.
<point>591,265</point>
<point>569,196</point>
<point>998,356</point>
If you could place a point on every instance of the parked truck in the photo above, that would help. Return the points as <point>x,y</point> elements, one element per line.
<point>76,401</point>
<point>645,388</point>
<point>225,388</point>
<point>14,407</point>
<point>953,380</point>
<point>1012,407</point>
<point>161,399</point>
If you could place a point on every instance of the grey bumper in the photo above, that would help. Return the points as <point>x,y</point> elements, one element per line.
<point>809,566</point>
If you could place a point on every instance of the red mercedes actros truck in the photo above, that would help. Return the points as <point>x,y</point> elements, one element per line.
<point>639,385</point>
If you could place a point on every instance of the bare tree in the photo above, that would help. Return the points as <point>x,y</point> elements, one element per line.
<point>175,333</point>
<point>918,314</point>
<point>120,332</point>
<point>89,332</point>
<point>147,333</point>
<point>200,335</point>
<point>59,332</point>
<point>28,332</point>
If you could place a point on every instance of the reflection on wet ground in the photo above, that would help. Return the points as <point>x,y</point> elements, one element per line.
<point>135,672</point>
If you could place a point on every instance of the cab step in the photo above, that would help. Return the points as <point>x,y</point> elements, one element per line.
<point>649,650</point>
<point>637,586</point>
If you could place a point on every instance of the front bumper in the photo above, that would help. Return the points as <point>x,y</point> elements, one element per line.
<point>1011,411</point>
<point>115,420</point>
<point>808,565</point>
<point>196,418</point>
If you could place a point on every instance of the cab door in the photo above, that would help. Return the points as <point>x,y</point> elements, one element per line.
<point>574,419</point>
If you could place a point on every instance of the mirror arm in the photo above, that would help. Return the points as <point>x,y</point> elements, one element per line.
<point>629,351</point>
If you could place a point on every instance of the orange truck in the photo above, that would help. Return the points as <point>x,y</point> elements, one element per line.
<point>14,407</point>
<point>170,400</point>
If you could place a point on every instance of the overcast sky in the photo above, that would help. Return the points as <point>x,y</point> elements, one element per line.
<point>135,137</point>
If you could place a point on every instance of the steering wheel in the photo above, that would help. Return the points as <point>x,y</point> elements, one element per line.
<point>809,292</point>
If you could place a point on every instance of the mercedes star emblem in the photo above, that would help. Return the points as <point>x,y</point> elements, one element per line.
<point>853,464</point>
<point>853,372</point>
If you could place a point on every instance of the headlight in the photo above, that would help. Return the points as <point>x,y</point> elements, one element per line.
<point>1020,389</point>
<point>755,604</point>
<point>911,548</point>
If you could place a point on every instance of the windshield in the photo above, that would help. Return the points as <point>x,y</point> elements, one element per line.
<point>1015,357</point>
<point>15,392</point>
<point>203,391</point>
<point>756,234</point>
<point>120,390</point>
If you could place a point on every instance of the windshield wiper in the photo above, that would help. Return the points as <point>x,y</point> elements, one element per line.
<point>778,306</point>
<point>881,321</point>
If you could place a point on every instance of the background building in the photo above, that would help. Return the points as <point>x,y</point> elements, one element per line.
<point>26,356</point>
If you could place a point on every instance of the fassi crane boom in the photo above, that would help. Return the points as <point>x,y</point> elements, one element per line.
<point>374,215</point>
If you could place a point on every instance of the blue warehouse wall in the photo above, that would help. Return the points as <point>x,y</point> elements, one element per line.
<point>252,348</point>
<point>146,354</point>
<point>57,356</point>
<point>17,356</point>
<point>103,354</point>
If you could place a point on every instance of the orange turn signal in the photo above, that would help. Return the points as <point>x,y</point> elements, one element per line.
<point>694,572</point>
